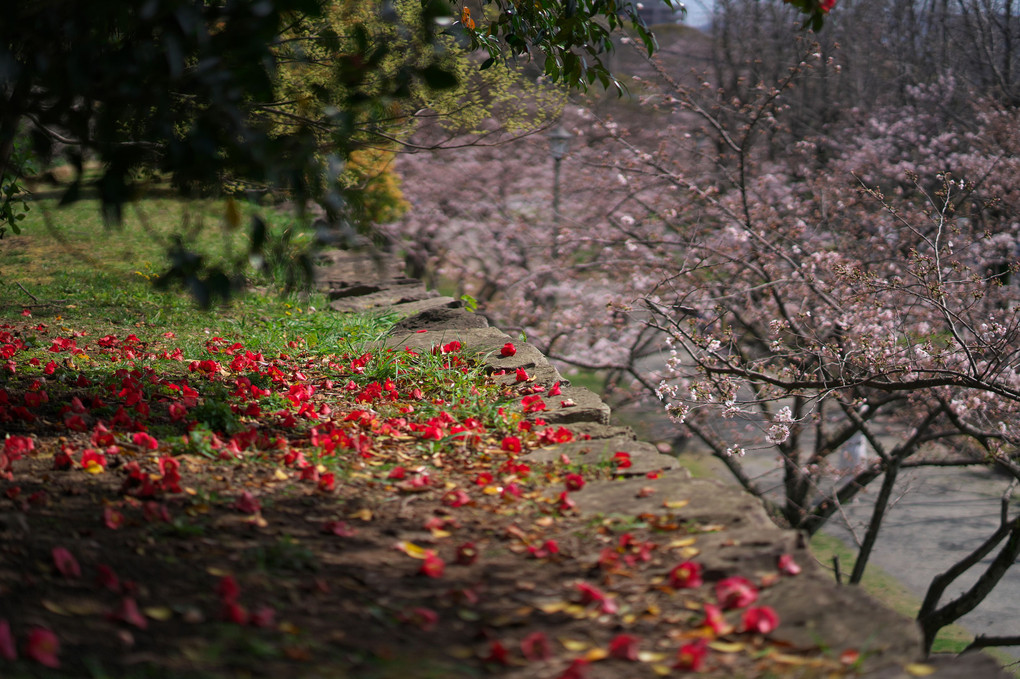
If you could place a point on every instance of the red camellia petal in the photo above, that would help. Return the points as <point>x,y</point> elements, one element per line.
<point>145,441</point>
<point>432,566</point>
<point>467,554</point>
<point>247,503</point>
<point>228,589</point>
<point>576,669</point>
<point>788,566</point>
<point>338,528</point>
<point>573,481</point>
<point>107,579</point>
<point>43,646</point>
<point>234,612</point>
<point>264,617</point>
<point>715,620</point>
<point>624,647</point>
<point>511,444</point>
<point>498,654</point>
<point>8,651</point>
<point>112,518</point>
<point>536,646</point>
<point>622,460</point>
<point>508,350</point>
<point>66,563</point>
<point>327,482</point>
<point>423,618</point>
<point>128,612</point>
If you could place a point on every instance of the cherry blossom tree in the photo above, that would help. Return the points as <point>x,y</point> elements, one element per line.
<point>821,294</point>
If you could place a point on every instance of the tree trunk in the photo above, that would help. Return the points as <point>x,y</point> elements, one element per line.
<point>877,515</point>
<point>932,618</point>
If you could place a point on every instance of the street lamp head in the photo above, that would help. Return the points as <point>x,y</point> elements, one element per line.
<point>559,141</point>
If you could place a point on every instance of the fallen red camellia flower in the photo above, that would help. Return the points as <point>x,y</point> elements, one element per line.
<point>760,619</point>
<point>735,592</point>
<point>691,656</point>
<point>686,576</point>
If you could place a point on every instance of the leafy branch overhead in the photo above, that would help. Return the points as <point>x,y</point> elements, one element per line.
<point>275,92</point>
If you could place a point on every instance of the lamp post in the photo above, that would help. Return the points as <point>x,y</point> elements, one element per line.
<point>559,141</point>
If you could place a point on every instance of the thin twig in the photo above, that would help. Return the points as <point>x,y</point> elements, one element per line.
<point>22,287</point>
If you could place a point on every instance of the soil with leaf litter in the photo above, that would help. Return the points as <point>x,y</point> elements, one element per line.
<point>289,511</point>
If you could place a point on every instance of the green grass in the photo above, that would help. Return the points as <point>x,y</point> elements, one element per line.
<point>69,267</point>
<point>56,240</point>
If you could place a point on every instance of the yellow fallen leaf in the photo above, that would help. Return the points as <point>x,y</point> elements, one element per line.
<point>460,652</point>
<point>363,514</point>
<point>86,607</point>
<point>689,552</point>
<point>574,645</point>
<point>411,549</point>
<point>94,467</point>
<point>288,628</point>
<point>161,613</point>
<point>711,528</point>
<point>54,607</point>
<point>197,508</point>
<point>787,659</point>
<point>662,670</point>
<point>596,654</point>
<point>675,504</point>
<point>726,646</point>
<point>280,475</point>
<point>916,669</point>
<point>576,610</point>
<point>439,533</point>
<point>491,490</point>
<point>682,542</point>
<point>553,607</point>
<point>217,572</point>
<point>651,656</point>
<point>258,520</point>
<point>503,621</point>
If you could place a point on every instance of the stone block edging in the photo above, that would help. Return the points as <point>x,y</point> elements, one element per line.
<point>737,535</point>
